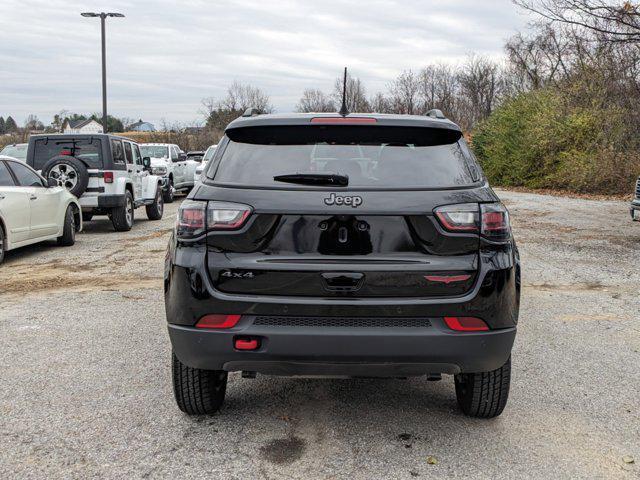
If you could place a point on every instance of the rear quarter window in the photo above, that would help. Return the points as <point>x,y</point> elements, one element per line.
<point>117,151</point>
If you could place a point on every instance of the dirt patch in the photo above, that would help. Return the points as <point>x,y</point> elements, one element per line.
<point>584,286</point>
<point>604,317</point>
<point>283,450</point>
<point>150,236</point>
<point>57,275</point>
<point>47,282</point>
<point>568,194</point>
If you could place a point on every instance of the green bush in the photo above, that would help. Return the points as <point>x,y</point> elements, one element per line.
<point>548,138</point>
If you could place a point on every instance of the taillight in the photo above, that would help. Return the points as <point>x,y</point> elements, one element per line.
<point>226,216</point>
<point>495,221</point>
<point>466,324</point>
<point>108,177</point>
<point>218,321</point>
<point>196,218</point>
<point>192,219</point>
<point>463,217</point>
<point>491,220</point>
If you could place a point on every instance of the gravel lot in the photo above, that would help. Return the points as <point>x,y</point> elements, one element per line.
<point>85,385</point>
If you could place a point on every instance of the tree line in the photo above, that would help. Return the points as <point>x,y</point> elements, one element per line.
<point>559,111</point>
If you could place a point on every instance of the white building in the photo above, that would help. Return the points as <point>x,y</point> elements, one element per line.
<point>81,126</point>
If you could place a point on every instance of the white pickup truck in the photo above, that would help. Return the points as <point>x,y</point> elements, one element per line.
<point>171,163</point>
<point>107,174</point>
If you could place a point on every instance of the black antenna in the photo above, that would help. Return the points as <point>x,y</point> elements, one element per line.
<point>344,111</point>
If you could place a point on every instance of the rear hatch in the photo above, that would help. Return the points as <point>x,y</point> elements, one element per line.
<point>311,235</point>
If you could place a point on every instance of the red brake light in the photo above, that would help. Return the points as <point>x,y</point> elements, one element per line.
<point>344,120</point>
<point>495,221</point>
<point>108,177</point>
<point>191,221</point>
<point>466,324</point>
<point>218,321</point>
<point>65,152</point>
<point>196,218</point>
<point>489,219</point>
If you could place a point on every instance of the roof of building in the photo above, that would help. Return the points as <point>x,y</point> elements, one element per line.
<point>80,123</point>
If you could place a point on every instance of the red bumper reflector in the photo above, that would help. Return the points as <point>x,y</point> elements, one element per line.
<point>466,324</point>
<point>246,344</point>
<point>447,279</point>
<point>218,321</point>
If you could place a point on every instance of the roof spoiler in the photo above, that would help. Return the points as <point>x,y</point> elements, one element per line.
<point>251,112</point>
<point>435,113</point>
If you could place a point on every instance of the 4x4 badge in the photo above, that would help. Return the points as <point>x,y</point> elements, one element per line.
<point>352,201</point>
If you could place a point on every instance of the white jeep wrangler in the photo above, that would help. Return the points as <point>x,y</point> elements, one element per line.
<point>106,172</point>
<point>170,162</point>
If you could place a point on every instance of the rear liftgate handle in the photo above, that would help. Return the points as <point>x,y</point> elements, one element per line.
<point>343,281</point>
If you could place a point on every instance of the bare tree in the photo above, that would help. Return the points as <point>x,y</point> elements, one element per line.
<point>439,89</point>
<point>539,59</point>
<point>314,100</point>
<point>239,97</point>
<point>616,22</point>
<point>405,93</point>
<point>356,97</point>
<point>379,103</point>
<point>480,84</point>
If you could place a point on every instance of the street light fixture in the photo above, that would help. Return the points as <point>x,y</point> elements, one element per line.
<point>103,17</point>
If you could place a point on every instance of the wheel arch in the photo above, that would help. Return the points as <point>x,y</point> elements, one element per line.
<point>5,232</point>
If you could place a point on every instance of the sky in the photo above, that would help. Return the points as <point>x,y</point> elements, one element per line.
<point>165,56</point>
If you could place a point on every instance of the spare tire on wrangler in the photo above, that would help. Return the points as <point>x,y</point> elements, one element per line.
<point>69,172</point>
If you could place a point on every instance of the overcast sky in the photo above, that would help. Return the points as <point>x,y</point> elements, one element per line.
<point>166,55</point>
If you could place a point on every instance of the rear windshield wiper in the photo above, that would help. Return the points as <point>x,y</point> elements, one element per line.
<point>336,180</point>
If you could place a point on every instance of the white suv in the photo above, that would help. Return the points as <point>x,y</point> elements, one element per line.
<point>106,172</point>
<point>172,164</point>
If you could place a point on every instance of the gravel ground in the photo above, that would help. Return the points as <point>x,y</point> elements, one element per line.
<point>85,385</point>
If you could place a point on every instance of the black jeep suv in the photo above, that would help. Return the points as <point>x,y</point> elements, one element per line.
<point>355,245</point>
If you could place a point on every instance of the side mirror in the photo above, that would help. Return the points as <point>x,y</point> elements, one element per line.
<point>146,162</point>
<point>52,182</point>
<point>182,157</point>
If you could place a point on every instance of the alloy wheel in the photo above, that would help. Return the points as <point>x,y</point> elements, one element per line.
<point>65,175</point>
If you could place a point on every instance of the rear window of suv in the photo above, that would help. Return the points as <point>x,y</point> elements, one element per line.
<point>394,161</point>
<point>88,150</point>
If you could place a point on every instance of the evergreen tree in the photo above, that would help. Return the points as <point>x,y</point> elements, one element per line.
<point>10,125</point>
<point>2,126</point>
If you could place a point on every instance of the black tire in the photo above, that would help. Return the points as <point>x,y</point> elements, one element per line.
<point>1,244</point>
<point>484,394</point>
<point>122,217</point>
<point>198,392</point>
<point>156,209</point>
<point>169,193</point>
<point>87,216</point>
<point>68,237</point>
<point>69,172</point>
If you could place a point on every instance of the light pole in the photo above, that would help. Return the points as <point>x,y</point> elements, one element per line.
<point>103,16</point>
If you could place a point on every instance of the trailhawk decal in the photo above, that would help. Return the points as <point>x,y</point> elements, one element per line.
<point>352,201</point>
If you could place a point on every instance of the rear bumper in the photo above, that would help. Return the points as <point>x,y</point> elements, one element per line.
<point>386,351</point>
<point>102,201</point>
<point>344,351</point>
